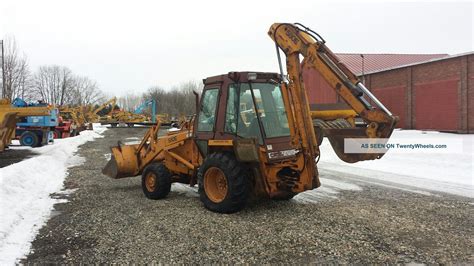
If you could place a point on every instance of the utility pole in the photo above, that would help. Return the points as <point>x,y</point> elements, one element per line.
<point>363,77</point>
<point>3,70</point>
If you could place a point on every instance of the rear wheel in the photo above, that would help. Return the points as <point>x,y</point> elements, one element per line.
<point>156,181</point>
<point>223,183</point>
<point>29,138</point>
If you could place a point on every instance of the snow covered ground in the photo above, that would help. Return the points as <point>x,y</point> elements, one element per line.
<point>418,172</point>
<point>25,188</point>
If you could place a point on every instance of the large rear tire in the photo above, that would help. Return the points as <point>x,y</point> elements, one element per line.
<point>223,183</point>
<point>156,181</point>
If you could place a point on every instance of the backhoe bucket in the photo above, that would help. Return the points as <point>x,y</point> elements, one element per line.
<point>336,137</point>
<point>123,162</point>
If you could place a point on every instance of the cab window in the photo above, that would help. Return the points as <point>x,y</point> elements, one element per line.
<point>232,110</point>
<point>207,114</point>
<point>241,118</point>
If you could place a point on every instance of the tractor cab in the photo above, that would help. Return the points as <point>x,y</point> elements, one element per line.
<point>242,106</point>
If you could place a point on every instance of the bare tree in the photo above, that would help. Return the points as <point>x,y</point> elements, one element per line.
<point>17,73</point>
<point>58,85</point>
<point>50,84</point>
<point>180,100</point>
<point>85,91</point>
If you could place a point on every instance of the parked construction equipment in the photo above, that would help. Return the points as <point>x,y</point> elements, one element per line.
<point>36,131</point>
<point>9,116</point>
<point>76,116</point>
<point>64,129</point>
<point>143,106</point>
<point>254,132</point>
<point>92,115</point>
<point>138,117</point>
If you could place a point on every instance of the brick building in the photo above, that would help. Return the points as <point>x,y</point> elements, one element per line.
<point>431,92</point>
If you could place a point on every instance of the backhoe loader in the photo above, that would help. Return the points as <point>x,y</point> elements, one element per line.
<point>253,132</point>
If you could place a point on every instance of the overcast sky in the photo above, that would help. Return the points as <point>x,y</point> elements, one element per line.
<point>128,46</point>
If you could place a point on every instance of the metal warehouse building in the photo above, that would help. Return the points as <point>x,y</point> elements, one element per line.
<point>427,91</point>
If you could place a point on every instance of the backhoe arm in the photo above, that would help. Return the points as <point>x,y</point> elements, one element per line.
<point>296,40</point>
<point>112,102</point>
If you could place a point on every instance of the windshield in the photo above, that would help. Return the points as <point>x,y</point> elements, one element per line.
<point>241,114</point>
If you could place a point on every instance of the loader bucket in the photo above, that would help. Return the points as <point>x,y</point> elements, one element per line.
<point>123,162</point>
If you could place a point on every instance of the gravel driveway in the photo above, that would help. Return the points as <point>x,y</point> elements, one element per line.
<point>111,221</point>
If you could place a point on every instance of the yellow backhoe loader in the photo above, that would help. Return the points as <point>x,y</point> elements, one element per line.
<point>253,132</point>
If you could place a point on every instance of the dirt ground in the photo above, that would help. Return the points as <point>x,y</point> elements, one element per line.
<point>9,156</point>
<point>110,221</point>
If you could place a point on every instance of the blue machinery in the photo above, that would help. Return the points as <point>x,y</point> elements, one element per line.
<point>144,105</point>
<point>36,130</point>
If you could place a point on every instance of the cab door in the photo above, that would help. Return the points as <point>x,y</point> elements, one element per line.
<point>207,117</point>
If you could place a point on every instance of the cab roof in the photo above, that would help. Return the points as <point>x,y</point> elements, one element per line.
<point>243,76</point>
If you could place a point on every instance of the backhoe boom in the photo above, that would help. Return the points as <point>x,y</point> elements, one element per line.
<point>296,40</point>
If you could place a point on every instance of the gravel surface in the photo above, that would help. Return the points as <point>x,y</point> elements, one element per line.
<point>11,156</point>
<point>111,221</point>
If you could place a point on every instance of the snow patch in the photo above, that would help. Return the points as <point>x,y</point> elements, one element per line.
<point>185,189</point>
<point>328,190</point>
<point>448,173</point>
<point>25,189</point>
<point>132,141</point>
<point>66,192</point>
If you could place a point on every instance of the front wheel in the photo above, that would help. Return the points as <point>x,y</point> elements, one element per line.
<point>223,183</point>
<point>156,181</point>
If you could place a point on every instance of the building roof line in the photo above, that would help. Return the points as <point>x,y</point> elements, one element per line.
<point>418,63</point>
<point>390,54</point>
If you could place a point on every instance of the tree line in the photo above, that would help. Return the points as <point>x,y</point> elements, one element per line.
<point>52,84</point>
<point>176,101</point>
<point>58,85</point>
